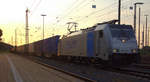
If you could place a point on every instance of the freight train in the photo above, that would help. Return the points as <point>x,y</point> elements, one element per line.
<point>103,43</point>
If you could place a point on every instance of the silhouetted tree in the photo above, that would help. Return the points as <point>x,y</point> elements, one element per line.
<point>1,33</point>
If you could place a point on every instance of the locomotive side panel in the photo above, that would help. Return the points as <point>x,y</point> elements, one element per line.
<point>102,42</point>
<point>73,46</point>
<point>90,44</point>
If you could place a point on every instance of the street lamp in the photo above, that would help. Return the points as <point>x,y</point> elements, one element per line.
<point>119,12</point>
<point>135,4</point>
<point>43,15</point>
<point>43,24</point>
<point>15,39</point>
<point>147,33</point>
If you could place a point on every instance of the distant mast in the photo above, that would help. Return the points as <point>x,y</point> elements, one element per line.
<point>27,32</point>
<point>119,12</point>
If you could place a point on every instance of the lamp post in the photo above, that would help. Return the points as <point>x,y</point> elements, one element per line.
<point>43,15</point>
<point>135,4</point>
<point>15,39</point>
<point>43,24</point>
<point>119,12</point>
<point>146,37</point>
<point>139,30</point>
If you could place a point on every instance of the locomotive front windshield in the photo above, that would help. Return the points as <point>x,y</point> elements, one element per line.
<point>122,31</point>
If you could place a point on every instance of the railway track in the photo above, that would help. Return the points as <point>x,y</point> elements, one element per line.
<point>61,70</point>
<point>145,66</point>
<point>127,71</point>
<point>137,70</point>
<point>133,72</point>
<point>122,70</point>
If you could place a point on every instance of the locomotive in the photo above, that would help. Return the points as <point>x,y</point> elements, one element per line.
<point>103,43</point>
<point>107,43</point>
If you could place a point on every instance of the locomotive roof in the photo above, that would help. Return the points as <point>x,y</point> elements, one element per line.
<point>120,26</point>
<point>98,24</point>
<point>111,25</point>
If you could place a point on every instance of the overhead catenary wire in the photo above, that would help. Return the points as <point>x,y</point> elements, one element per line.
<point>95,12</point>
<point>70,11</point>
<point>35,8</point>
<point>34,1</point>
<point>105,8</point>
<point>108,14</point>
<point>67,11</point>
<point>82,6</point>
<point>73,9</point>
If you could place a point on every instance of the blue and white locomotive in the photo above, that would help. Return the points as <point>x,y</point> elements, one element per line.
<point>103,42</point>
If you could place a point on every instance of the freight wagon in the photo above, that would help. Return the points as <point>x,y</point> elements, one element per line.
<point>47,47</point>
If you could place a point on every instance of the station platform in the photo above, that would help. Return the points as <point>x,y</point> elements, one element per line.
<point>14,68</point>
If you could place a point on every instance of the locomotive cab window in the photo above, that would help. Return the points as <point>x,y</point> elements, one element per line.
<point>100,33</point>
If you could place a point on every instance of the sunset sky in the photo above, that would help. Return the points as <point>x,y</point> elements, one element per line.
<point>59,12</point>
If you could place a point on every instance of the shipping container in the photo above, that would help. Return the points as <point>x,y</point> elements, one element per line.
<point>50,46</point>
<point>38,48</point>
<point>31,48</point>
<point>47,46</point>
<point>20,49</point>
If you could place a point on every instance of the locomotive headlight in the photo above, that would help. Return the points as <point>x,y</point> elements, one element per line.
<point>123,41</point>
<point>134,50</point>
<point>115,50</point>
